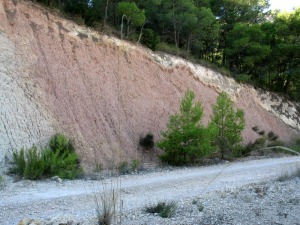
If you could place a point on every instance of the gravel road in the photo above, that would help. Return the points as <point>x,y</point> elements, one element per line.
<point>66,200</point>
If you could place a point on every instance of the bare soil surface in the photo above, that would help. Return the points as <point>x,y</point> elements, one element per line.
<point>75,200</point>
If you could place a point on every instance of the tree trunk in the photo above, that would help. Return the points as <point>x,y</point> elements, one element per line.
<point>105,15</point>
<point>174,27</point>
<point>141,33</point>
<point>122,25</point>
<point>128,24</point>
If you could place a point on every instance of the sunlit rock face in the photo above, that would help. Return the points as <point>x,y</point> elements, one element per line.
<point>104,93</point>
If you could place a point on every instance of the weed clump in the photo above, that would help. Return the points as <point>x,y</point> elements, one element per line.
<point>135,165</point>
<point>105,207</point>
<point>199,205</point>
<point>289,176</point>
<point>164,209</point>
<point>57,159</point>
<point>123,167</point>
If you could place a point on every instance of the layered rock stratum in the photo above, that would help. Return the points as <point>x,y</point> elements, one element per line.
<point>104,93</point>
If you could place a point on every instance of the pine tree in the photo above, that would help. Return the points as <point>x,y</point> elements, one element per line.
<point>186,139</point>
<point>230,124</point>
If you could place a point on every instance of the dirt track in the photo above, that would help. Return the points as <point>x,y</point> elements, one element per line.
<point>50,199</point>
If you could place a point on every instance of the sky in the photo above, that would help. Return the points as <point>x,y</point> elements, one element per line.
<point>284,5</point>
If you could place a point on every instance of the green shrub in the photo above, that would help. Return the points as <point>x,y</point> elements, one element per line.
<point>135,164</point>
<point>186,138</point>
<point>28,165</point>
<point>150,39</point>
<point>298,142</point>
<point>296,148</point>
<point>243,78</point>
<point>147,141</point>
<point>123,167</point>
<point>59,159</point>
<point>165,210</point>
<point>35,164</point>
<point>98,167</point>
<point>18,163</point>
<point>63,164</point>
<point>60,143</point>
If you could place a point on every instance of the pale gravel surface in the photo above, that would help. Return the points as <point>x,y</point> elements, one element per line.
<point>231,193</point>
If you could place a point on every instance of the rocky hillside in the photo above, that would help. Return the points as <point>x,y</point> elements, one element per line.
<point>56,76</point>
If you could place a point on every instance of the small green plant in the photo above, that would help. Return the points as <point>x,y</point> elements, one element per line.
<point>98,167</point>
<point>18,163</point>
<point>28,165</point>
<point>1,183</point>
<point>59,159</point>
<point>199,205</point>
<point>297,141</point>
<point>60,143</point>
<point>135,164</point>
<point>123,167</point>
<point>35,164</point>
<point>165,210</point>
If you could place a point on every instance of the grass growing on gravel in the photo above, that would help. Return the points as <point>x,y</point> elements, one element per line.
<point>164,209</point>
<point>2,184</point>
<point>57,159</point>
<point>105,207</point>
<point>289,176</point>
<point>199,205</point>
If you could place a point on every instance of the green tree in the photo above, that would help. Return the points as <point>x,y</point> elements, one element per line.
<point>186,138</point>
<point>231,12</point>
<point>131,13</point>
<point>177,16</point>
<point>204,35</point>
<point>284,38</point>
<point>246,50</point>
<point>230,124</point>
<point>150,39</point>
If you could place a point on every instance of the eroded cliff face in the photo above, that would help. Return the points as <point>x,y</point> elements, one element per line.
<point>56,76</point>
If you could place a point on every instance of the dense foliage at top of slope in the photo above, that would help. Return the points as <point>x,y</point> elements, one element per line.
<point>256,45</point>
